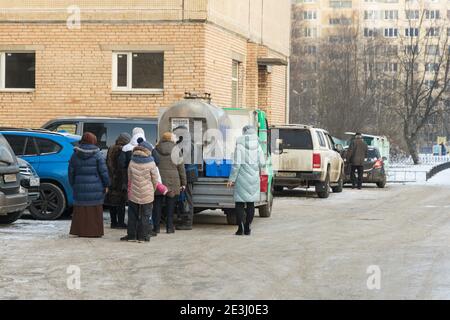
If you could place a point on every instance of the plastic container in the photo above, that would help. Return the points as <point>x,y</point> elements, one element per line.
<point>218,168</point>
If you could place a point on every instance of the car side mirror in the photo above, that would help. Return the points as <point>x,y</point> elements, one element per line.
<point>279,144</point>
<point>384,158</point>
<point>339,148</point>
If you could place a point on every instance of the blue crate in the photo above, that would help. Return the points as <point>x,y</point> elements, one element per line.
<point>218,168</point>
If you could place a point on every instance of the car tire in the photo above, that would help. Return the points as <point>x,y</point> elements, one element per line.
<point>266,210</point>
<point>381,184</point>
<point>10,218</point>
<point>50,205</point>
<point>340,187</point>
<point>326,186</point>
<point>231,217</point>
<point>279,188</point>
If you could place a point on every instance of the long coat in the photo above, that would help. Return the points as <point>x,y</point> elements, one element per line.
<point>173,174</point>
<point>118,191</point>
<point>88,175</point>
<point>357,152</point>
<point>248,161</point>
<point>142,176</point>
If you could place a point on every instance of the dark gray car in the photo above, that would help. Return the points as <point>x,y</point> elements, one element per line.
<point>13,197</point>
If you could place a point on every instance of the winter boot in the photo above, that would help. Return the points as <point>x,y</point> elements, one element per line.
<point>240,231</point>
<point>113,215</point>
<point>247,230</point>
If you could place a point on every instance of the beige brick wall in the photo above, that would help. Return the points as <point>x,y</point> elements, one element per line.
<point>74,69</point>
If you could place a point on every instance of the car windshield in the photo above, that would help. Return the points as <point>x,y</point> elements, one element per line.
<point>7,156</point>
<point>373,154</point>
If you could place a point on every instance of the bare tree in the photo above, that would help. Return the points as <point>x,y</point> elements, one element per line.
<point>423,78</point>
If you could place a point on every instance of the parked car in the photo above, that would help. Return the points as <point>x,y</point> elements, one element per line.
<point>374,168</point>
<point>304,156</point>
<point>49,154</point>
<point>13,197</point>
<point>106,129</point>
<point>29,180</point>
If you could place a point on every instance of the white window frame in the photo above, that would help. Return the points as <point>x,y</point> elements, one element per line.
<point>3,72</point>
<point>129,88</point>
<point>235,81</point>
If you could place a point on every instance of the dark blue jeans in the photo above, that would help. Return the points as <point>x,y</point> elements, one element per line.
<point>139,220</point>
<point>168,204</point>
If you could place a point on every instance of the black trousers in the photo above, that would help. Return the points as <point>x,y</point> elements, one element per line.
<point>117,214</point>
<point>168,204</point>
<point>249,209</point>
<point>186,218</point>
<point>357,181</point>
<point>139,220</point>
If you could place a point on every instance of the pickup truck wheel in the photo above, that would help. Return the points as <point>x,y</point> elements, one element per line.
<point>231,217</point>
<point>381,184</point>
<point>324,186</point>
<point>10,218</point>
<point>51,203</point>
<point>340,186</point>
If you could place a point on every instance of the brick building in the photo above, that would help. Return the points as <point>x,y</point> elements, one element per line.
<point>129,58</point>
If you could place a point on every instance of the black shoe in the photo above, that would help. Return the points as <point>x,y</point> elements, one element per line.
<point>184,227</point>
<point>114,226</point>
<point>122,226</point>
<point>247,230</point>
<point>240,231</point>
<point>157,231</point>
<point>126,238</point>
<point>170,231</point>
<point>144,240</point>
<point>153,234</point>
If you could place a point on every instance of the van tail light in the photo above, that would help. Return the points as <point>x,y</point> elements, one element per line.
<point>378,164</point>
<point>317,161</point>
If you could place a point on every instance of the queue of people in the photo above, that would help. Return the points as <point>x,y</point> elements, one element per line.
<point>150,180</point>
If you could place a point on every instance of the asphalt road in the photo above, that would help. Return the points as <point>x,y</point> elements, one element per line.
<point>310,249</point>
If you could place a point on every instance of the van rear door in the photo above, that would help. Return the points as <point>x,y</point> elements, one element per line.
<point>292,149</point>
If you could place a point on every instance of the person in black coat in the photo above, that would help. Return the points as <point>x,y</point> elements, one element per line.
<point>88,176</point>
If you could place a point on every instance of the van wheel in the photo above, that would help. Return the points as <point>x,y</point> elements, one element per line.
<point>266,210</point>
<point>324,186</point>
<point>10,218</point>
<point>279,188</point>
<point>51,203</point>
<point>231,217</point>
<point>340,186</point>
<point>381,184</point>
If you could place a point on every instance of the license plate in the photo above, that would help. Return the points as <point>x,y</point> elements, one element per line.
<point>287,174</point>
<point>35,182</point>
<point>8,178</point>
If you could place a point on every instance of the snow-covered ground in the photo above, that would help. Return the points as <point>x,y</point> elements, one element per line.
<point>441,179</point>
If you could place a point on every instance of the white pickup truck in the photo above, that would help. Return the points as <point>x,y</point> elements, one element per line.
<point>305,156</point>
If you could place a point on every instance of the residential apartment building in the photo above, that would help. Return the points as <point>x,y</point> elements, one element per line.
<point>393,22</point>
<point>131,58</point>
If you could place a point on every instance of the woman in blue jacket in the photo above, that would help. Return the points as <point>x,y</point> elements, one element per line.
<point>88,176</point>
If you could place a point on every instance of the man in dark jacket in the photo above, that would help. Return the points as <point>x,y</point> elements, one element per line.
<point>356,155</point>
<point>117,195</point>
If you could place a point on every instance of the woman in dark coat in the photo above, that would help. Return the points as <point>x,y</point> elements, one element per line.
<point>173,176</point>
<point>88,176</point>
<point>117,195</point>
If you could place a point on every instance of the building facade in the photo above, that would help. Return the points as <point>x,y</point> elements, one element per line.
<point>131,58</point>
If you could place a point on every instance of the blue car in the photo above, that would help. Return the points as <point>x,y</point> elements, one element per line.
<point>49,154</point>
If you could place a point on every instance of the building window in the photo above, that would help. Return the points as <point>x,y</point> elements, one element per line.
<point>340,21</point>
<point>411,49</point>
<point>340,4</point>
<point>17,70</point>
<point>390,32</point>
<point>412,14</point>
<point>370,32</point>
<point>235,84</point>
<point>309,15</point>
<point>432,14</point>
<point>310,50</point>
<point>138,71</point>
<point>310,32</point>
<point>371,14</point>
<point>432,50</point>
<point>390,67</point>
<point>432,32</point>
<point>431,67</point>
<point>412,32</point>
<point>390,14</point>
